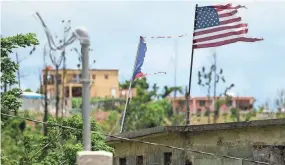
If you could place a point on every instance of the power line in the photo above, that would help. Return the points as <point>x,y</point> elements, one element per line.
<point>141,141</point>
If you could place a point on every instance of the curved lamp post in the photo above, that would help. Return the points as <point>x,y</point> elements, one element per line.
<point>81,34</point>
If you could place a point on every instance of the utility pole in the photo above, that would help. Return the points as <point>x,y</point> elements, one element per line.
<point>18,71</point>
<point>85,95</point>
<point>18,61</point>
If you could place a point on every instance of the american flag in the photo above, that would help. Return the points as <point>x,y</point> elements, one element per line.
<point>219,25</point>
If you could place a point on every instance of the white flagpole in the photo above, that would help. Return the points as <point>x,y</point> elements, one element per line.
<point>129,91</point>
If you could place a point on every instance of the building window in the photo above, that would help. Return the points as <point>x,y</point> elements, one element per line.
<point>122,161</point>
<point>167,158</point>
<point>202,103</point>
<point>139,160</point>
<point>76,91</point>
<point>106,76</point>
<point>93,76</point>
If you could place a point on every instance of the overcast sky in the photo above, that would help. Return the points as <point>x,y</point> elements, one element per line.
<point>257,69</point>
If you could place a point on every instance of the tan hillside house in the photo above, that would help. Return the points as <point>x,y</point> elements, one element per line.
<point>104,83</point>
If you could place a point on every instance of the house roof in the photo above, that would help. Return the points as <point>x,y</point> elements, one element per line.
<point>32,95</point>
<point>199,128</point>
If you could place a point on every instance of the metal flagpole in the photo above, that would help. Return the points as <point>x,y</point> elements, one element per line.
<point>190,76</point>
<point>129,92</point>
<point>215,81</point>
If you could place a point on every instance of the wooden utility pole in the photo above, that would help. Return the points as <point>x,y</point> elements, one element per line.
<point>18,71</point>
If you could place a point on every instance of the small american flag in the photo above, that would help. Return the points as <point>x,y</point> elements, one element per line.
<point>219,25</point>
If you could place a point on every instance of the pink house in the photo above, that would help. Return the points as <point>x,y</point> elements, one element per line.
<point>202,103</point>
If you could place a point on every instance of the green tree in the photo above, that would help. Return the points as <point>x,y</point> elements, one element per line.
<point>28,90</point>
<point>207,79</point>
<point>143,111</point>
<point>22,142</point>
<point>168,91</point>
<point>9,99</point>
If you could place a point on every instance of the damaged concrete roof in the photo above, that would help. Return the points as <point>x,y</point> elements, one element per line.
<point>199,128</point>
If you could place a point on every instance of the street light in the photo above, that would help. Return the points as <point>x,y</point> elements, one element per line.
<point>81,34</point>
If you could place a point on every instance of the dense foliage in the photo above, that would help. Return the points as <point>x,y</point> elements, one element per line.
<point>22,141</point>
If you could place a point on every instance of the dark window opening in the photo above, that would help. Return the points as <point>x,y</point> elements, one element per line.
<point>76,91</point>
<point>106,76</point>
<point>243,105</point>
<point>122,161</point>
<point>139,160</point>
<point>202,102</point>
<point>167,158</point>
<point>93,76</point>
<point>188,162</point>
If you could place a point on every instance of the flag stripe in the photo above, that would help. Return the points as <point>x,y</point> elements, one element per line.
<point>213,37</point>
<point>228,14</point>
<point>230,21</point>
<point>227,7</point>
<point>221,39</point>
<point>219,28</point>
<point>218,33</point>
<point>225,42</point>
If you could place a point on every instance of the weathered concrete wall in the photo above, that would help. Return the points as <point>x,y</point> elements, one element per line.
<point>94,158</point>
<point>235,142</point>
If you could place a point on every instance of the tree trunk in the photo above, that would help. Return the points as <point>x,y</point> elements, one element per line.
<point>208,107</point>
<point>208,116</point>
<point>63,87</point>
<point>56,92</point>
<point>46,103</point>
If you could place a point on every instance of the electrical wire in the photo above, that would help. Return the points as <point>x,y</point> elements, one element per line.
<point>144,142</point>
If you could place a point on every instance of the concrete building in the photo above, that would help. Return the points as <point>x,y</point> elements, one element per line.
<point>104,83</point>
<point>201,103</point>
<point>31,101</point>
<point>262,140</point>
